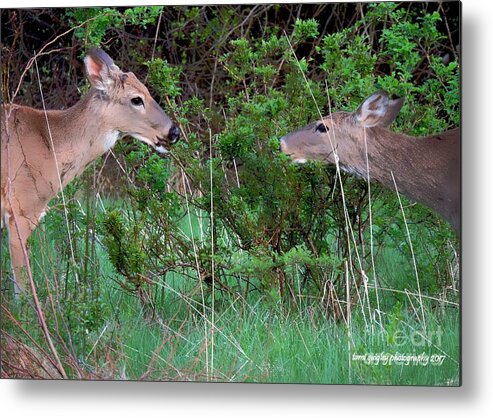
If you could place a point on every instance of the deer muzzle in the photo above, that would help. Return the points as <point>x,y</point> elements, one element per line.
<point>172,138</point>
<point>285,149</point>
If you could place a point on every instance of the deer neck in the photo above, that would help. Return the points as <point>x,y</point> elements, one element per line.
<point>400,161</point>
<point>81,134</point>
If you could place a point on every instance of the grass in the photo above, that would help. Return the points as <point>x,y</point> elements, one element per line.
<point>253,345</point>
<point>103,332</point>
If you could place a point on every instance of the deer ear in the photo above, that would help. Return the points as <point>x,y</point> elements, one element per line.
<point>378,110</point>
<point>100,69</point>
<point>393,110</point>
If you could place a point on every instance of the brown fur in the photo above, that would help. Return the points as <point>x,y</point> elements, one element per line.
<point>79,135</point>
<point>426,169</point>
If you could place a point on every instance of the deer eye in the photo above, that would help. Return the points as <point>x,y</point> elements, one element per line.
<point>321,127</point>
<point>137,101</point>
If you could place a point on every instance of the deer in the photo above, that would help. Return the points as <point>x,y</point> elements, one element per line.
<point>424,169</point>
<point>44,150</point>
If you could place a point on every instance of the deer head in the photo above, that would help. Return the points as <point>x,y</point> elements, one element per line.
<point>130,109</point>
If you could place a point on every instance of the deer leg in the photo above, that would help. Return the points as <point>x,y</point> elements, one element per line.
<point>20,230</point>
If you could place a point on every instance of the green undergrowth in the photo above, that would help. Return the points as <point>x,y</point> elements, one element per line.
<point>116,333</point>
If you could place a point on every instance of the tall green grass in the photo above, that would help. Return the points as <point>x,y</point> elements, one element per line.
<point>112,334</point>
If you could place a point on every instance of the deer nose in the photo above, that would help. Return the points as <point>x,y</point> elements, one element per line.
<point>282,145</point>
<point>174,134</point>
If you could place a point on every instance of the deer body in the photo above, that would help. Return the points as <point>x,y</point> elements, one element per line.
<point>425,169</point>
<point>43,151</point>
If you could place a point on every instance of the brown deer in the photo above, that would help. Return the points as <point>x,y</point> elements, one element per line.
<point>426,169</point>
<point>42,151</point>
